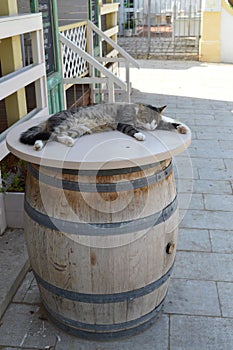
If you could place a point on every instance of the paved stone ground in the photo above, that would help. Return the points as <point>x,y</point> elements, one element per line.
<point>198,314</point>
<point>160,47</point>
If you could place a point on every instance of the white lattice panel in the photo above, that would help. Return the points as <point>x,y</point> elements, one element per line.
<point>73,64</point>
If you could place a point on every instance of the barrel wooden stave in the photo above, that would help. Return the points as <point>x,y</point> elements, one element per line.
<point>125,267</point>
<point>106,313</point>
<point>101,264</point>
<point>101,207</point>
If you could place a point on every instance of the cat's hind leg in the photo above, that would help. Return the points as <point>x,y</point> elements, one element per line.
<point>38,145</point>
<point>66,140</point>
<point>131,131</point>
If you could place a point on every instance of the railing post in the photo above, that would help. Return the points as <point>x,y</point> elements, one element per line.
<point>127,57</point>
<point>128,91</point>
<point>90,50</point>
<point>111,92</point>
<point>149,29</point>
<point>38,57</point>
<point>174,23</point>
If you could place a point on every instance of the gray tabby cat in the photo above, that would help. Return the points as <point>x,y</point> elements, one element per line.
<point>128,118</point>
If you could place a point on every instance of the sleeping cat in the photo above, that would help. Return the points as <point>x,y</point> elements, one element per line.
<point>128,118</point>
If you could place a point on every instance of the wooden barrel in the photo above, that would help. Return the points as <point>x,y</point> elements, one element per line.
<point>102,245</point>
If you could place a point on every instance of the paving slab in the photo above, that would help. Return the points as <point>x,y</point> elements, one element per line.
<point>190,201</point>
<point>28,291</point>
<point>221,241</point>
<point>222,174</point>
<point>225,291</point>
<point>155,338</point>
<point>204,186</point>
<point>229,163</point>
<point>213,135</point>
<point>185,185</point>
<point>205,219</point>
<point>212,186</point>
<point>204,266</point>
<point>184,168</point>
<point>224,118</point>
<point>14,265</point>
<point>194,240</point>
<point>211,152</point>
<point>208,163</point>
<point>192,298</point>
<point>27,326</point>
<point>218,202</point>
<point>205,144</point>
<point>201,333</point>
<point>226,144</point>
<point>183,79</point>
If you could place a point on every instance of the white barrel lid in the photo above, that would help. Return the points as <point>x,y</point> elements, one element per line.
<point>107,150</point>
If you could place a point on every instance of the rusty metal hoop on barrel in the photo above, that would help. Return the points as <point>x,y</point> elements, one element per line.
<point>100,259</point>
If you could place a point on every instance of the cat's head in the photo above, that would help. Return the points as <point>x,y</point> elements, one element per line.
<point>149,116</point>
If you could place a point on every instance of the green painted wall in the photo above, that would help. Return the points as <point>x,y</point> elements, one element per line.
<point>52,52</point>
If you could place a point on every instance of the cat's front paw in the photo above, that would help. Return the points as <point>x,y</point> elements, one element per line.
<point>182,129</point>
<point>38,145</point>
<point>139,136</point>
<point>66,140</point>
<point>69,141</point>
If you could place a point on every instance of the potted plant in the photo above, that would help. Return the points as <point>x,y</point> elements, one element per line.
<point>129,27</point>
<point>12,186</point>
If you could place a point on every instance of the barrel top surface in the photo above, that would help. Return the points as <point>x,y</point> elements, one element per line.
<point>108,150</point>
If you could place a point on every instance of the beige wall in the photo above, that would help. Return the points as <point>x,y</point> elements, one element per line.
<point>226,42</point>
<point>216,44</point>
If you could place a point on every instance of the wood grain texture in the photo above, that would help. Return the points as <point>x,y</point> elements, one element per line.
<point>107,264</point>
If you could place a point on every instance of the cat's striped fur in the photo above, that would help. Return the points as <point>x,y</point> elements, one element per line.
<point>128,118</point>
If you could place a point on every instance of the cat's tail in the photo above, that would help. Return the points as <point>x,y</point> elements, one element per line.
<point>39,132</point>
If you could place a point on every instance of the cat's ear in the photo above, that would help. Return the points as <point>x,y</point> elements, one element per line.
<point>157,109</point>
<point>161,109</point>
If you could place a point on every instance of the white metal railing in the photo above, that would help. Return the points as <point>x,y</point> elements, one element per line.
<point>160,28</point>
<point>18,25</point>
<point>80,54</point>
